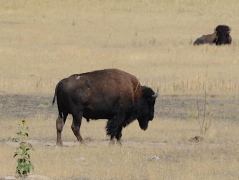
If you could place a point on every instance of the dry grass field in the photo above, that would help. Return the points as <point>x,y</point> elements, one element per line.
<point>44,41</point>
<point>162,152</point>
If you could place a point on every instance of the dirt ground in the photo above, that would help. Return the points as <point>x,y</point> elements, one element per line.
<point>167,107</point>
<point>164,148</point>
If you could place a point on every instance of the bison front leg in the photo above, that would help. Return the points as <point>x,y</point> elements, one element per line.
<point>119,135</point>
<point>111,129</point>
<point>114,129</point>
<point>76,126</point>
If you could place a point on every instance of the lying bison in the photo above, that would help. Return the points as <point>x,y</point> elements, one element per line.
<point>220,36</point>
<point>104,94</point>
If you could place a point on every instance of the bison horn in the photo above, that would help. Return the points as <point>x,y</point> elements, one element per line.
<point>155,95</point>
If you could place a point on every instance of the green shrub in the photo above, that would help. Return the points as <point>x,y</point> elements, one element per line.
<point>24,164</point>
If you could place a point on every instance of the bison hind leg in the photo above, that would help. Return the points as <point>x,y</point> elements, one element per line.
<point>60,122</point>
<point>76,124</point>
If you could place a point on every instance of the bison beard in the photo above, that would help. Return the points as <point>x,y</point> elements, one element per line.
<point>105,94</point>
<point>220,36</point>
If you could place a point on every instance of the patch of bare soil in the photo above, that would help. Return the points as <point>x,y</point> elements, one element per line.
<point>106,142</point>
<point>167,107</point>
<point>185,107</point>
<point>23,106</point>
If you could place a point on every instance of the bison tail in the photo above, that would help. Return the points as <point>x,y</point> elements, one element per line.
<point>53,100</point>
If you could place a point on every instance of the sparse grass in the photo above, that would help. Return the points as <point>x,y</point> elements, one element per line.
<point>45,41</point>
<point>214,158</point>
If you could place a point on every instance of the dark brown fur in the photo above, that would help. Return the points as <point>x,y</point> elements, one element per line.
<point>220,36</point>
<point>105,94</point>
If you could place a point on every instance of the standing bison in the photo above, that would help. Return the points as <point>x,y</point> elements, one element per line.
<point>104,94</point>
<point>220,36</point>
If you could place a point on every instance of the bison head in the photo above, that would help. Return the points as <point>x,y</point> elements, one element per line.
<point>146,107</point>
<point>223,35</point>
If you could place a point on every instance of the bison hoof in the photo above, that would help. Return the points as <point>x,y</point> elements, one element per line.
<point>82,142</point>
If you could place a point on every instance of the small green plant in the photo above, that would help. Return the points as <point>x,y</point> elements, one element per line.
<point>24,164</point>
